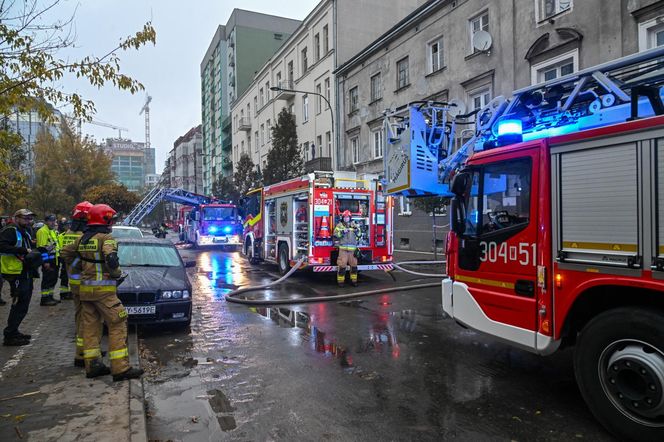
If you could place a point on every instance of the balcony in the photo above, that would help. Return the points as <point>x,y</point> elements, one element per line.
<point>227,143</point>
<point>244,124</point>
<point>281,94</point>
<point>318,164</point>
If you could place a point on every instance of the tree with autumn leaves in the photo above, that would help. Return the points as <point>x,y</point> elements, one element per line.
<point>30,70</point>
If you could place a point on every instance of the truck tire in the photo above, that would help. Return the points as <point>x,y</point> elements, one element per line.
<point>619,367</point>
<point>284,259</point>
<point>249,252</point>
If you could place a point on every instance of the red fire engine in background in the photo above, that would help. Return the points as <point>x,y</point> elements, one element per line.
<point>293,219</point>
<point>557,225</point>
<point>211,224</point>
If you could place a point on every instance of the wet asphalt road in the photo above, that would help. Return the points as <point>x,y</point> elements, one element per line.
<point>389,367</point>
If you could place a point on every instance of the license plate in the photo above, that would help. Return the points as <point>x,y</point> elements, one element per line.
<point>142,310</point>
<point>221,240</point>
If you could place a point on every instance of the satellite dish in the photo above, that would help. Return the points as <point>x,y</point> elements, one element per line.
<point>482,41</point>
<point>456,107</point>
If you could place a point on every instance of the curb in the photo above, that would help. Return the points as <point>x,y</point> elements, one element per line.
<point>138,431</point>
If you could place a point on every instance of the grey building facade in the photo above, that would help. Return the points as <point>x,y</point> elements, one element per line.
<point>186,161</point>
<point>430,56</point>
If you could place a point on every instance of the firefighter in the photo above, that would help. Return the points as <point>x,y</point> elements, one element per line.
<point>347,235</point>
<point>47,243</point>
<point>79,219</point>
<point>63,229</point>
<point>17,262</point>
<point>100,274</point>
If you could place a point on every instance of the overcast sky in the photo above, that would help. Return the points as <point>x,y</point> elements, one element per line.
<point>169,70</point>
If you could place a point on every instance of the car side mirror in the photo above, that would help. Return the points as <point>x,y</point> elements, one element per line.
<point>189,264</point>
<point>460,183</point>
<point>458,215</point>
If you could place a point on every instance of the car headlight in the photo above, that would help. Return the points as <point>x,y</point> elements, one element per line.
<point>177,294</point>
<point>166,295</point>
<point>185,294</point>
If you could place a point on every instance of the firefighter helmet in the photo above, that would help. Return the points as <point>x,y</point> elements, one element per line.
<point>101,215</point>
<point>346,213</point>
<point>81,210</point>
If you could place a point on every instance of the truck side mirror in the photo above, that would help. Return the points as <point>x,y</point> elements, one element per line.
<point>458,215</point>
<point>460,183</point>
<point>197,216</point>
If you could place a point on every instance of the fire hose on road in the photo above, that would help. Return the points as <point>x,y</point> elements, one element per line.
<point>234,295</point>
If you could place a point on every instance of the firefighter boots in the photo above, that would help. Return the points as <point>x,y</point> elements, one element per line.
<point>15,341</point>
<point>96,369</point>
<point>131,373</point>
<point>48,301</point>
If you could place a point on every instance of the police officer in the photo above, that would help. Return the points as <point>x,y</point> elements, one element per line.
<point>100,270</point>
<point>63,229</point>
<point>347,234</point>
<point>79,219</point>
<point>47,243</point>
<point>17,263</point>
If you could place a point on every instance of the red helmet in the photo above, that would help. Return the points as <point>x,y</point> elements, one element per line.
<point>81,210</point>
<point>346,213</point>
<point>101,215</point>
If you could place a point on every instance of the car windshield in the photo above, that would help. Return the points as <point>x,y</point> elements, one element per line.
<point>219,214</point>
<point>148,255</point>
<point>126,233</point>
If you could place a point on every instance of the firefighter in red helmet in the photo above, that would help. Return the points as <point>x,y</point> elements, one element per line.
<point>100,271</point>
<point>347,235</point>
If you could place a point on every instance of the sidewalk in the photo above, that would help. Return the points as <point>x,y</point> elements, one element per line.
<point>43,397</point>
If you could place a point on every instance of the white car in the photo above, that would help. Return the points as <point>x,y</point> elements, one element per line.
<point>127,232</point>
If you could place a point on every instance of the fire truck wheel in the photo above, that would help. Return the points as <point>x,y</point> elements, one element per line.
<point>249,252</point>
<point>619,367</point>
<point>284,260</point>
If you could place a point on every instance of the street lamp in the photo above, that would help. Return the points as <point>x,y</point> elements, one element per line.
<point>329,106</point>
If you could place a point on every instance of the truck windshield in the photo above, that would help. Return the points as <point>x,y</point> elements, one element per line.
<point>219,214</point>
<point>499,197</point>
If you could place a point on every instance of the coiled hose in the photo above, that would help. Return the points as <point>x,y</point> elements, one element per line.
<point>233,296</point>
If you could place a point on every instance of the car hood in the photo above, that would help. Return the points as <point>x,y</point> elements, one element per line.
<point>154,278</point>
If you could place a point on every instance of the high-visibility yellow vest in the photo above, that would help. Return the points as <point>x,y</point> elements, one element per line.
<point>9,263</point>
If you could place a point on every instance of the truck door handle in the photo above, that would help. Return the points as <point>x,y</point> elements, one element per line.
<point>525,288</point>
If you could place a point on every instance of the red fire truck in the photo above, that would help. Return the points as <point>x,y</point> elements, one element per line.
<point>558,229</point>
<point>293,219</point>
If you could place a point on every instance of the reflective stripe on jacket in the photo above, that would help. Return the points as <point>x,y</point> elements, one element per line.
<point>96,278</point>
<point>347,236</point>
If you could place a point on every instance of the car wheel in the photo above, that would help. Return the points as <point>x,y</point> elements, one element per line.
<point>284,259</point>
<point>619,367</point>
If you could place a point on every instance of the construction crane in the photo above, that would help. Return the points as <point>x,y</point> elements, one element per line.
<point>146,110</point>
<point>79,123</point>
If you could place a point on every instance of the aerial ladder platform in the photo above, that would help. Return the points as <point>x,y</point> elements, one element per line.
<point>158,194</point>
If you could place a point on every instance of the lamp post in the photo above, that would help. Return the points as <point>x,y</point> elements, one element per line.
<point>329,106</point>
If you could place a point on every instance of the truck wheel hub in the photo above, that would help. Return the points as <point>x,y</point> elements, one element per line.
<point>634,379</point>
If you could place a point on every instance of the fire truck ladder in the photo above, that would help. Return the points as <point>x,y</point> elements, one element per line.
<point>158,194</point>
<point>620,90</point>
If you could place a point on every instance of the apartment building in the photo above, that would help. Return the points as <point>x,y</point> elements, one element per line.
<point>303,71</point>
<point>237,50</point>
<point>430,55</point>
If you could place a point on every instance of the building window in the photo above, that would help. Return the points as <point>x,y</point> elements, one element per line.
<point>480,98</point>
<point>262,97</point>
<point>305,62</point>
<point>291,109</point>
<point>255,106</point>
<point>256,141</point>
<point>279,79</point>
<point>404,206</point>
<point>267,91</point>
<point>549,8</point>
<point>378,140</point>
<point>326,43</point>
<point>435,53</point>
<point>305,108</point>
<point>376,91</point>
<point>316,48</point>
<point>290,72</point>
<point>651,33</point>
<point>355,149</point>
<point>327,91</point>
<point>242,147</point>
<point>328,143</point>
<point>262,135</point>
<point>478,23</point>
<point>268,127</point>
<point>555,67</point>
<point>319,99</point>
<point>403,78</point>
<point>248,109</point>
<point>319,145</point>
<point>353,98</point>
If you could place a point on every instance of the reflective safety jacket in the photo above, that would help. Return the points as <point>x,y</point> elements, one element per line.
<point>74,268</point>
<point>97,278</point>
<point>47,242</point>
<point>14,243</point>
<point>347,236</point>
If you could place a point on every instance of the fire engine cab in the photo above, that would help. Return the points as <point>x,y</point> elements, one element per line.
<point>293,219</point>
<point>557,223</point>
<point>213,224</point>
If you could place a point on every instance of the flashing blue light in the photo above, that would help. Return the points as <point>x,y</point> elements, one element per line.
<point>213,229</point>
<point>510,127</point>
<point>228,229</point>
